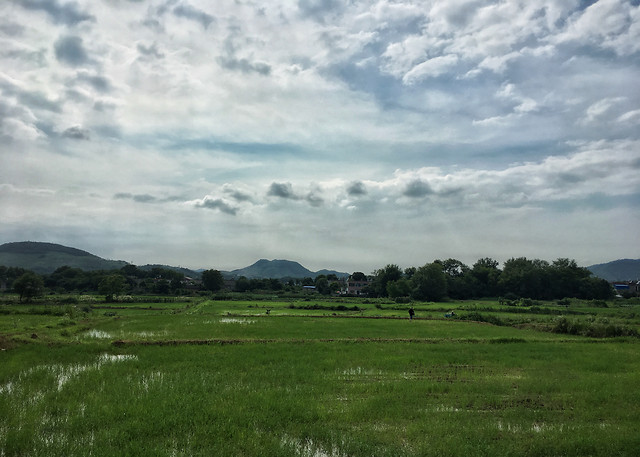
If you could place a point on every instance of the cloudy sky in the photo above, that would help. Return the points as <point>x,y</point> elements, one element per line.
<point>344,135</point>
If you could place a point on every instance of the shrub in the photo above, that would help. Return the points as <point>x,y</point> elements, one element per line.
<point>475,316</point>
<point>600,329</point>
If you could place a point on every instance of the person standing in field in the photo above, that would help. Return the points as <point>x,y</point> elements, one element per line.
<point>411,313</point>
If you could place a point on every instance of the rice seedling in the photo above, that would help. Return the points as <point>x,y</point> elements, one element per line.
<point>227,380</point>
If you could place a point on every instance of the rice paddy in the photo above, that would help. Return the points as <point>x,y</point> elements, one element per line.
<point>226,378</point>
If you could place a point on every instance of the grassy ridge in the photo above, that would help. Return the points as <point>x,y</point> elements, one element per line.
<point>300,385</point>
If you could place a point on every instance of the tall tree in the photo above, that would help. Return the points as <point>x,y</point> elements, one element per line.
<point>429,283</point>
<point>358,276</point>
<point>399,288</point>
<point>485,274</point>
<point>459,279</point>
<point>383,276</point>
<point>111,286</point>
<point>526,278</point>
<point>29,285</point>
<point>212,280</point>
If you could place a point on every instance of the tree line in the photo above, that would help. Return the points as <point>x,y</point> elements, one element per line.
<point>519,278</point>
<point>157,280</point>
<point>66,279</point>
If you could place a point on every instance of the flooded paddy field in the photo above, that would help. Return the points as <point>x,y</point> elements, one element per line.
<point>226,378</point>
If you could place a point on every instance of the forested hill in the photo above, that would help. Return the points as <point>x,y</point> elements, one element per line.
<point>278,269</point>
<point>45,258</point>
<point>618,270</point>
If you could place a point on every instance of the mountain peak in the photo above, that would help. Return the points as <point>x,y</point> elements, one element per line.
<point>278,269</point>
<point>617,270</point>
<point>45,258</point>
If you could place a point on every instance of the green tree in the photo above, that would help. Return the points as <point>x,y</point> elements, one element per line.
<point>382,277</point>
<point>212,280</point>
<point>399,288</point>
<point>29,285</point>
<point>111,286</point>
<point>566,278</point>
<point>595,289</point>
<point>429,283</point>
<point>459,279</point>
<point>485,275</point>
<point>526,278</point>
<point>322,285</point>
<point>242,284</point>
<point>409,272</point>
<point>358,276</point>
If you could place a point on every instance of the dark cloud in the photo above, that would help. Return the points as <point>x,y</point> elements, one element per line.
<point>319,9</point>
<point>60,13</point>
<point>39,100</point>
<point>99,83</point>
<point>69,50</point>
<point>189,12</point>
<point>12,29</point>
<point>314,200</point>
<point>32,99</point>
<point>417,189</point>
<point>108,130</point>
<point>153,24</point>
<point>356,188</point>
<point>282,190</point>
<point>145,198</point>
<point>138,198</point>
<point>170,141</point>
<point>76,133</point>
<point>244,66</point>
<point>150,51</point>
<point>103,106</point>
<point>238,195</point>
<point>219,204</point>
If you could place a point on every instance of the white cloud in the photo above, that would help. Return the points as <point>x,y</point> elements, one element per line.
<point>610,24</point>
<point>430,68</point>
<point>290,131</point>
<point>600,108</point>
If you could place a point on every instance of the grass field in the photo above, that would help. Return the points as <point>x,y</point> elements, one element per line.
<point>316,378</point>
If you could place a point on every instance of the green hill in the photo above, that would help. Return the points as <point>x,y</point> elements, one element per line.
<point>618,270</point>
<point>45,258</point>
<point>278,269</point>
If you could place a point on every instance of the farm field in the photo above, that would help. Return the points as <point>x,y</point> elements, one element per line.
<point>318,378</point>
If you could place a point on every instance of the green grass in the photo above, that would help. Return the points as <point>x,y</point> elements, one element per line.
<point>225,378</point>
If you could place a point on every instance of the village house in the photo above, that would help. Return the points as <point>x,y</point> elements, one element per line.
<point>356,287</point>
<point>627,287</point>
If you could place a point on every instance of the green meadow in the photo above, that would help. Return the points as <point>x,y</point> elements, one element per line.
<point>316,378</point>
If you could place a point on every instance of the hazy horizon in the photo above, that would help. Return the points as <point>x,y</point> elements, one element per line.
<point>341,136</point>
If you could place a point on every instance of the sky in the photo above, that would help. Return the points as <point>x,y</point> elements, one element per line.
<point>342,135</point>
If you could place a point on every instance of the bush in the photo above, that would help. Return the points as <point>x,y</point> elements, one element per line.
<point>477,317</point>
<point>593,329</point>
<point>403,300</point>
<point>528,302</point>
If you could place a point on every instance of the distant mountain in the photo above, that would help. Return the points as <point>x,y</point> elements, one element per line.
<point>278,269</point>
<point>45,258</point>
<point>617,270</point>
